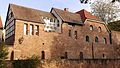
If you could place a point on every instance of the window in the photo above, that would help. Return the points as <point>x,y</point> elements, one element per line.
<point>31,30</point>
<point>25,29</point>
<point>75,34</point>
<point>43,55</point>
<point>51,20</point>
<point>99,29</point>
<point>66,56</point>
<point>91,27</point>
<point>36,30</point>
<point>96,39</point>
<point>104,40</point>
<point>81,55</point>
<point>57,20</point>
<point>58,24</point>
<point>104,56</point>
<point>70,33</point>
<point>12,55</point>
<point>87,39</point>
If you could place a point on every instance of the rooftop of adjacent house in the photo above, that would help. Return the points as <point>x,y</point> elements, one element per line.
<point>87,15</point>
<point>1,26</point>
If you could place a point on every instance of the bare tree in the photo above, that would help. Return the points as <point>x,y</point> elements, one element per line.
<point>87,1</point>
<point>105,10</point>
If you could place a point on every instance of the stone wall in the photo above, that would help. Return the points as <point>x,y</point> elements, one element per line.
<point>89,63</point>
<point>55,45</point>
<point>101,63</point>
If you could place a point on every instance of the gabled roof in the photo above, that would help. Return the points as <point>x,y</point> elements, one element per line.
<point>87,15</point>
<point>29,14</point>
<point>67,16</point>
<point>1,26</point>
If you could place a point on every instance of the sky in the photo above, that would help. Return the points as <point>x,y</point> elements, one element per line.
<point>45,5</point>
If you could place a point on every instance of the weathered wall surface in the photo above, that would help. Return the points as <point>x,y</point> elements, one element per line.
<point>101,63</point>
<point>81,64</point>
<point>56,44</point>
<point>116,37</point>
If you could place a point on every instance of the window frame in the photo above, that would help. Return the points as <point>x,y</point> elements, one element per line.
<point>91,27</point>
<point>96,40</point>
<point>87,38</point>
<point>99,29</point>
<point>25,29</point>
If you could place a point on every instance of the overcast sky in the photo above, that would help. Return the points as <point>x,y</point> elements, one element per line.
<point>46,5</point>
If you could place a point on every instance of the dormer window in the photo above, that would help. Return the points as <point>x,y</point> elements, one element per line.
<point>91,27</point>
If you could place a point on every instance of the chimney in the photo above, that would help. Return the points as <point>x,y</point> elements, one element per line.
<point>66,9</point>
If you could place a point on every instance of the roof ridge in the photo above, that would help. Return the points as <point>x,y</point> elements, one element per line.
<point>65,11</point>
<point>27,7</point>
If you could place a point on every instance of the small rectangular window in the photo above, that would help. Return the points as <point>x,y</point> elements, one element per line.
<point>70,33</point>
<point>51,20</point>
<point>58,24</point>
<point>31,30</point>
<point>66,56</point>
<point>25,29</point>
<point>75,34</point>
<point>36,30</point>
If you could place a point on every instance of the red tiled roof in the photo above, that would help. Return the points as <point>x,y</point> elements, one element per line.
<point>1,26</point>
<point>87,15</point>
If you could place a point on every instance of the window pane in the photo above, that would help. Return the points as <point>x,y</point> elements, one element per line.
<point>75,34</point>
<point>25,29</point>
<point>104,41</point>
<point>87,39</point>
<point>96,39</point>
<point>91,27</point>
<point>31,30</point>
<point>69,32</point>
<point>37,30</point>
<point>99,29</point>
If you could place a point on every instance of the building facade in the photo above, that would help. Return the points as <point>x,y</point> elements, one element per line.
<point>56,34</point>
